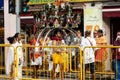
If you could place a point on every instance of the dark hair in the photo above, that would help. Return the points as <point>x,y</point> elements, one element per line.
<point>16,35</point>
<point>87,33</point>
<point>100,31</point>
<point>10,39</point>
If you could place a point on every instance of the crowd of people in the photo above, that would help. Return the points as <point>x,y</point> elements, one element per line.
<point>57,58</point>
<point>58,55</point>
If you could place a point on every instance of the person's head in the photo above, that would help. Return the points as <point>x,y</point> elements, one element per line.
<point>100,32</point>
<point>118,33</point>
<point>95,34</point>
<point>32,37</point>
<point>87,33</point>
<point>11,40</point>
<point>58,34</point>
<point>79,33</point>
<point>17,36</point>
<point>118,38</point>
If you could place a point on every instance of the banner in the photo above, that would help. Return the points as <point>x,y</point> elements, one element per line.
<point>83,0</point>
<point>92,17</point>
<point>32,2</point>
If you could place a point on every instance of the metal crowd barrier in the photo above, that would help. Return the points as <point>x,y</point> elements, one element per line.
<point>35,69</point>
<point>103,65</point>
<point>4,48</point>
<point>75,67</point>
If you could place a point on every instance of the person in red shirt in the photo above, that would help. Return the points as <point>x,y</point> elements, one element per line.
<point>116,57</point>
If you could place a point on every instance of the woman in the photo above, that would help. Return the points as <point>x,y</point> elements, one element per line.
<point>101,53</point>
<point>9,63</point>
<point>20,53</point>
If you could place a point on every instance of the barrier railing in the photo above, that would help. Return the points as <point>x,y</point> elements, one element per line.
<point>103,64</point>
<point>75,68</point>
<point>4,62</point>
<point>40,62</point>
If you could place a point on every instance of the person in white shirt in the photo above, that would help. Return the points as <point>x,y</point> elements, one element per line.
<point>76,52</point>
<point>20,54</point>
<point>89,56</point>
<point>9,57</point>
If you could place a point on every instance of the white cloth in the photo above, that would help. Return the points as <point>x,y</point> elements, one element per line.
<point>9,59</point>
<point>38,61</point>
<point>78,40</point>
<point>89,55</point>
<point>19,50</point>
<point>20,58</point>
<point>50,67</point>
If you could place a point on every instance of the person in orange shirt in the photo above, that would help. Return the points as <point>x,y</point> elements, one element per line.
<point>35,56</point>
<point>101,53</point>
<point>32,42</point>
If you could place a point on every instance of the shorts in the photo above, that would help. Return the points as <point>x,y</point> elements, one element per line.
<point>57,58</point>
<point>91,66</point>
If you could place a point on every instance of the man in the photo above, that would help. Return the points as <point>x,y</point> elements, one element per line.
<point>57,56</point>
<point>89,57</point>
<point>116,57</point>
<point>77,41</point>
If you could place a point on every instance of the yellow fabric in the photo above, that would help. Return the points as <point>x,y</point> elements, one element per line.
<point>57,58</point>
<point>101,40</point>
<point>65,60</point>
<point>101,54</point>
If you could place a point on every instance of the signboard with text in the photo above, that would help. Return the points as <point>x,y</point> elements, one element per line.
<point>83,0</point>
<point>92,18</point>
<point>32,2</point>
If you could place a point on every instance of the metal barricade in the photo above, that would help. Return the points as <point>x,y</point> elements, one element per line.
<point>4,61</point>
<point>103,64</point>
<point>75,67</point>
<point>50,62</point>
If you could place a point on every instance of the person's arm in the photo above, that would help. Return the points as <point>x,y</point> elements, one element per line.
<point>116,49</point>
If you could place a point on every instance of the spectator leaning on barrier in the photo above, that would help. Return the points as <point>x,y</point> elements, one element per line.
<point>77,41</point>
<point>89,57</point>
<point>116,57</point>
<point>9,59</point>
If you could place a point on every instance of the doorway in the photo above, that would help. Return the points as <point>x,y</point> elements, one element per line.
<point>114,27</point>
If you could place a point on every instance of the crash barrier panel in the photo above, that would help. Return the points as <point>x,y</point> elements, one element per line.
<point>103,64</point>
<point>49,62</point>
<point>5,51</point>
<point>27,69</point>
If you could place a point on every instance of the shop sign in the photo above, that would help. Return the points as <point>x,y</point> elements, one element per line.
<point>93,18</point>
<point>35,8</point>
<point>32,2</point>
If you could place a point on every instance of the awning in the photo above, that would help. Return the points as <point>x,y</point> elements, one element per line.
<point>111,12</point>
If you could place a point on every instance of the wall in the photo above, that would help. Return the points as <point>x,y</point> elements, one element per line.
<point>106,27</point>
<point>9,23</point>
